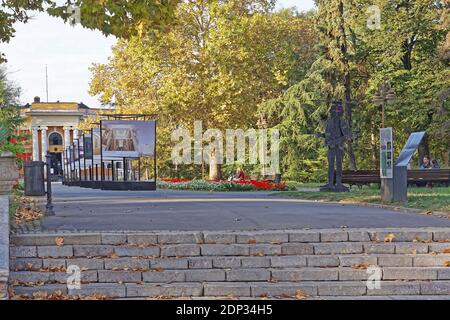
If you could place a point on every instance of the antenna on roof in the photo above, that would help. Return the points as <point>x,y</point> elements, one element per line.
<point>46,81</point>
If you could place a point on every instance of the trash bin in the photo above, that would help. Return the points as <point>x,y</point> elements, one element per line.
<point>34,178</point>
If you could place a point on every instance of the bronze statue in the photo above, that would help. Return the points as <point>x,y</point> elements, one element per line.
<point>336,134</point>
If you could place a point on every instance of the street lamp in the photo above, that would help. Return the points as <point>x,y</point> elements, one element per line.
<point>384,96</point>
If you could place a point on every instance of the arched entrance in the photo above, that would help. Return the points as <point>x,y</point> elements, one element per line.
<point>55,147</point>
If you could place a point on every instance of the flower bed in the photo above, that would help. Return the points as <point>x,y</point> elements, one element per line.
<point>202,185</point>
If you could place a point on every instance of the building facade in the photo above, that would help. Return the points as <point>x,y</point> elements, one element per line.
<point>52,127</point>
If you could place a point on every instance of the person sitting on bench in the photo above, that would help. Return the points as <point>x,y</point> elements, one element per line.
<point>426,163</point>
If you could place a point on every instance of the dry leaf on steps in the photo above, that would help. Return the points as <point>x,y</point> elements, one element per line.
<point>447,264</point>
<point>389,238</point>
<point>299,295</point>
<point>59,241</point>
<point>362,266</point>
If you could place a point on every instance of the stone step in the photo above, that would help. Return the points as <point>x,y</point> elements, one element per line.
<point>237,237</point>
<point>382,260</point>
<point>309,290</point>
<point>234,275</point>
<point>214,250</point>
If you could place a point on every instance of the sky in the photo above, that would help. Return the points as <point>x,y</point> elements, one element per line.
<point>68,52</point>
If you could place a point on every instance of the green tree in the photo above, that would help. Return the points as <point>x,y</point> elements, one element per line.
<point>217,63</point>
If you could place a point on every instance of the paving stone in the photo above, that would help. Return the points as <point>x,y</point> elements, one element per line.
<point>334,236</point>
<point>165,276</point>
<point>119,276</point>
<point>255,262</point>
<point>169,263</point>
<point>379,248</point>
<point>219,237</point>
<point>93,251</point>
<point>248,275</point>
<point>288,261</point>
<point>49,289</point>
<point>395,261</point>
<point>435,288</point>
<point>205,275</point>
<point>127,251</point>
<point>409,248</point>
<point>222,289</point>
<point>265,249</point>
<point>395,288</point>
<point>55,251</point>
<point>180,237</point>
<point>23,251</point>
<point>114,238</point>
<point>342,289</point>
<point>262,237</point>
<point>305,274</point>
<point>353,274</point>
<point>358,236</point>
<point>322,261</point>
<point>180,250</point>
<point>129,263</point>
<point>47,263</point>
<point>85,276</point>
<point>27,276</point>
<point>201,263</point>
<point>4,256</point>
<point>113,290</point>
<point>404,273</point>
<point>401,236</point>
<point>348,261</point>
<point>337,248</point>
<point>84,263</point>
<point>439,247</point>
<point>297,249</point>
<point>304,236</point>
<point>142,238</point>
<point>441,236</point>
<point>226,262</point>
<point>281,289</point>
<point>431,260</point>
<point>444,274</point>
<point>20,264</point>
<point>224,250</point>
<point>168,290</point>
<point>50,239</point>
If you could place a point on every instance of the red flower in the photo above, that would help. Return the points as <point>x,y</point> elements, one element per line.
<point>13,140</point>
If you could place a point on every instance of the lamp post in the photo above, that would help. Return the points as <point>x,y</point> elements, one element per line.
<point>384,96</point>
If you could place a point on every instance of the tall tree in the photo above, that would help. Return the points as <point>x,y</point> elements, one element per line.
<point>216,64</point>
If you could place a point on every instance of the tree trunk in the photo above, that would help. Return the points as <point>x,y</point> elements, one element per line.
<point>347,87</point>
<point>424,149</point>
<point>348,114</point>
<point>374,147</point>
<point>215,171</point>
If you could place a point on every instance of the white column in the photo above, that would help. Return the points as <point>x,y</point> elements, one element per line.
<point>67,137</point>
<point>75,134</point>
<point>35,143</point>
<point>44,142</point>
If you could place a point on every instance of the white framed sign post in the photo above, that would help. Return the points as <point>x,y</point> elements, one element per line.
<point>386,164</point>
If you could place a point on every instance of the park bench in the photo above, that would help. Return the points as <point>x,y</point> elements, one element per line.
<point>415,177</point>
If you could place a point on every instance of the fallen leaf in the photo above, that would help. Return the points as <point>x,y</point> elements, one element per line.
<point>59,241</point>
<point>389,237</point>
<point>299,295</point>
<point>447,264</point>
<point>252,241</point>
<point>362,266</point>
<point>446,250</point>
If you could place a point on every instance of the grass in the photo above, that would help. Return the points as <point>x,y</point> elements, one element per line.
<point>432,199</point>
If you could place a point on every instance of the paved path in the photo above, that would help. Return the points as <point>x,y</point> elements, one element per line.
<point>87,209</point>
